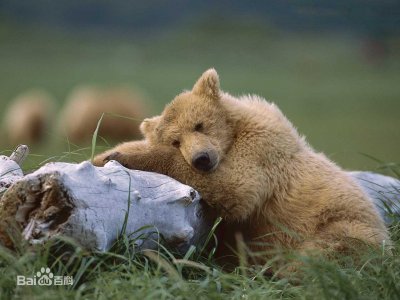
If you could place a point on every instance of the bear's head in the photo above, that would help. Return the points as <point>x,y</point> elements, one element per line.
<point>195,123</point>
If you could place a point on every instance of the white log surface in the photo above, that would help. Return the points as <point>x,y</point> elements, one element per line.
<point>10,170</point>
<point>384,192</point>
<point>89,204</point>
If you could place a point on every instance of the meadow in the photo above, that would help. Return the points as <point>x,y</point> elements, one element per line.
<point>345,104</point>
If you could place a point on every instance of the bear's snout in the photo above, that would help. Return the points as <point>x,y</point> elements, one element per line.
<point>204,161</point>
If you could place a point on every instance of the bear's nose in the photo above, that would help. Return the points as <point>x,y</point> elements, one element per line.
<point>202,161</point>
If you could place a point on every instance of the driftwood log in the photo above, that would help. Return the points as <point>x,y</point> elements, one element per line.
<point>10,170</point>
<point>384,191</point>
<point>94,205</point>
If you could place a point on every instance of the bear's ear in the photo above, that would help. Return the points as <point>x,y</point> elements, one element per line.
<point>148,126</point>
<point>207,85</point>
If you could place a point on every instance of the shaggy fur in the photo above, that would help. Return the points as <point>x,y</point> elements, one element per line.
<point>263,178</point>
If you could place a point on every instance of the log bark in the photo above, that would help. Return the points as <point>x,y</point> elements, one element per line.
<point>94,205</point>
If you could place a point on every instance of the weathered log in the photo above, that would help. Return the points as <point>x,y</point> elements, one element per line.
<point>95,205</point>
<point>384,192</point>
<point>10,170</point>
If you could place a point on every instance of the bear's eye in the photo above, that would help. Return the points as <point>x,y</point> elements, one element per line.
<point>176,143</point>
<point>198,127</point>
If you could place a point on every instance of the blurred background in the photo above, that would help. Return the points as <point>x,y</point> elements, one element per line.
<point>333,67</point>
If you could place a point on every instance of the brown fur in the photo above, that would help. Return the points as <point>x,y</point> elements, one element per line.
<point>85,106</point>
<point>28,117</point>
<point>267,182</point>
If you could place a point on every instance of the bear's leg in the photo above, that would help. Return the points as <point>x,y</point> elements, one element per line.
<point>139,155</point>
<point>226,189</point>
<point>339,239</point>
<point>346,238</point>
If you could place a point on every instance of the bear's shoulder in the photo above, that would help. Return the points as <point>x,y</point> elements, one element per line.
<point>251,104</point>
<point>254,110</point>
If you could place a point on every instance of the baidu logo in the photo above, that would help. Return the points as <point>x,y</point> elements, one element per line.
<point>45,277</point>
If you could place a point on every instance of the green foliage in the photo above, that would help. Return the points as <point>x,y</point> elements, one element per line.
<point>94,137</point>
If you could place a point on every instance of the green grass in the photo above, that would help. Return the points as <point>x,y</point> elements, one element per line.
<point>123,273</point>
<point>342,103</point>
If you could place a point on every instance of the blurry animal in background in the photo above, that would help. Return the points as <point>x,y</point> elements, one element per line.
<point>28,117</point>
<point>123,110</point>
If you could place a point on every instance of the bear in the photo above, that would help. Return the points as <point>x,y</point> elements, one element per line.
<point>254,170</point>
<point>85,105</point>
<point>29,117</point>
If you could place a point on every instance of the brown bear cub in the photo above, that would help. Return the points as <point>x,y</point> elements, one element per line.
<point>255,171</point>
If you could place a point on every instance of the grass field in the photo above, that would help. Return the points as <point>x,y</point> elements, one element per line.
<point>124,274</point>
<point>343,104</point>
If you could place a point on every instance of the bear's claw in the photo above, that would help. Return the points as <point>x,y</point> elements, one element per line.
<point>112,156</point>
